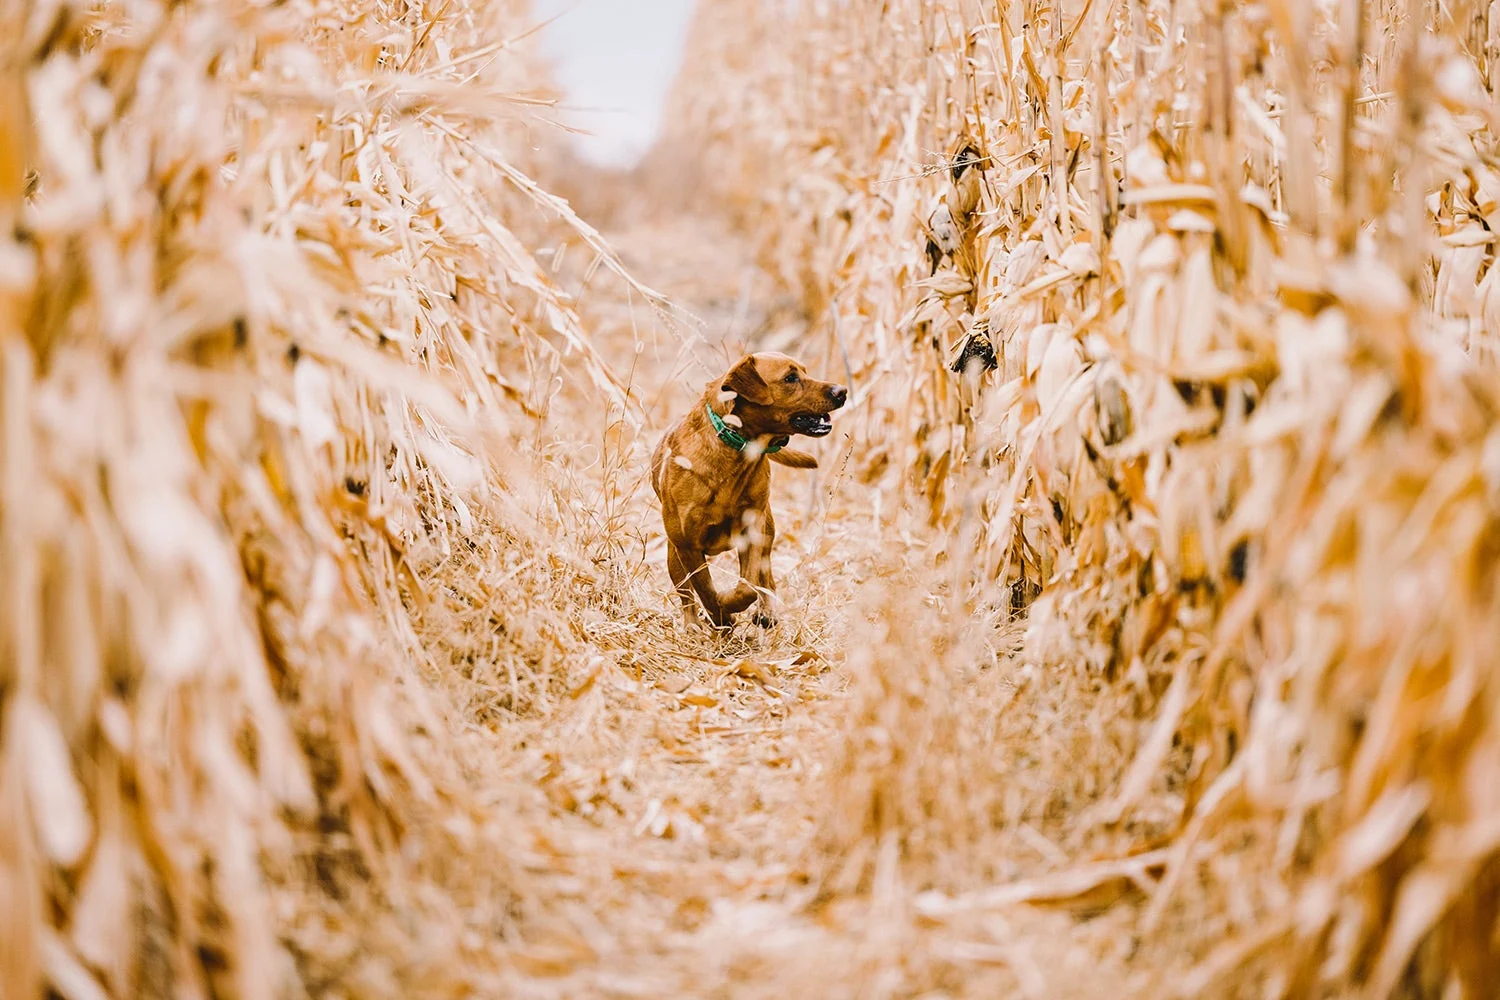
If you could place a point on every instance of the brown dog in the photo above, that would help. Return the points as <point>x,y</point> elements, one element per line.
<point>712,476</point>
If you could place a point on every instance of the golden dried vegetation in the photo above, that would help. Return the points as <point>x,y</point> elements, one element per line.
<point>1140,622</point>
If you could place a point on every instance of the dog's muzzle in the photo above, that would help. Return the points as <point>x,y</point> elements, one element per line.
<point>812,424</point>
<point>820,424</point>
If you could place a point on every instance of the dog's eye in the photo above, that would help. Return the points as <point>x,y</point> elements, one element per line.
<point>792,377</point>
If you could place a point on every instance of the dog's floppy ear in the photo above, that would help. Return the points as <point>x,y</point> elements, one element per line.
<point>744,380</point>
<point>793,459</point>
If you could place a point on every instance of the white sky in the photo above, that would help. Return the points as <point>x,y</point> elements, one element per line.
<point>614,60</point>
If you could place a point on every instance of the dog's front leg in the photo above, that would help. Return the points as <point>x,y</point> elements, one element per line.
<point>755,567</point>
<point>681,568</point>
<point>693,565</point>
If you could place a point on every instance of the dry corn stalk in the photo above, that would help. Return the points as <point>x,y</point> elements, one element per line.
<point>1238,433</point>
<point>266,309</point>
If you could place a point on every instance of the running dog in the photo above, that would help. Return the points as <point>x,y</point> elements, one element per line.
<point>712,474</point>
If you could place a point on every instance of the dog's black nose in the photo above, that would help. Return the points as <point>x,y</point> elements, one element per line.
<point>839,395</point>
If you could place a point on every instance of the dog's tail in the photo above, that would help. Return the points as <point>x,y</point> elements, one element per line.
<point>793,459</point>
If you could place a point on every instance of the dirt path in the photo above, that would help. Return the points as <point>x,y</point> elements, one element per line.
<point>680,777</point>
<point>684,782</point>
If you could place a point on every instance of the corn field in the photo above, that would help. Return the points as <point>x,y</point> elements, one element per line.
<point>1139,626</point>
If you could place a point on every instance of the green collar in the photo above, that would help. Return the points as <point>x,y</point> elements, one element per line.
<point>730,436</point>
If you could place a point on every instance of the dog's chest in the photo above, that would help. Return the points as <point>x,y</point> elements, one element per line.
<point>727,514</point>
<point>717,537</point>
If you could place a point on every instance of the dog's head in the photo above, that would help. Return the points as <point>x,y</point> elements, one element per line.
<point>773,395</point>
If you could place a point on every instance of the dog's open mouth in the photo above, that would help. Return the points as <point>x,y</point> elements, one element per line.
<point>812,424</point>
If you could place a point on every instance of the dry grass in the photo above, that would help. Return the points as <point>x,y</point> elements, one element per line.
<point>1155,660</point>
